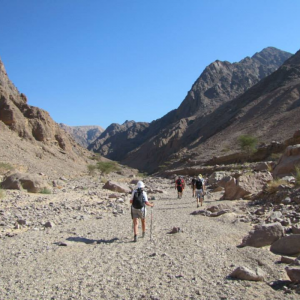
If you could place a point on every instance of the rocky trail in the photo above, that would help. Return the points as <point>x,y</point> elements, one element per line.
<point>90,253</point>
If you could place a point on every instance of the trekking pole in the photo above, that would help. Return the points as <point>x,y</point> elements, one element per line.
<point>151,225</point>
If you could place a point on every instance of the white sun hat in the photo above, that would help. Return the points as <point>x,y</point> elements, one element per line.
<point>140,185</point>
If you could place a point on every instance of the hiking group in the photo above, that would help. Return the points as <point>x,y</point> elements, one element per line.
<point>198,187</point>
<point>139,201</point>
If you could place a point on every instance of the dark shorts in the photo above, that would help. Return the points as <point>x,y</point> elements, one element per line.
<point>179,189</point>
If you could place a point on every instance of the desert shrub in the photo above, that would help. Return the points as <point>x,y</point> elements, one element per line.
<point>226,149</point>
<point>142,175</point>
<point>2,193</point>
<point>273,185</point>
<point>297,175</point>
<point>91,169</point>
<point>96,156</point>
<point>103,180</point>
<point>107,167</point>
<point>247,143</point>
<point>275,156</point>
<point>4,167</point>
<point>45,191</point>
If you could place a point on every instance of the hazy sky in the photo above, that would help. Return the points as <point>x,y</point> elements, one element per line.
<point>97,62</point>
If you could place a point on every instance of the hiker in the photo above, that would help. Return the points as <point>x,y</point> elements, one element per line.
<point>139,201</point>
<point>180,185</point>
<point>200,189</point>
<point>194,186</point>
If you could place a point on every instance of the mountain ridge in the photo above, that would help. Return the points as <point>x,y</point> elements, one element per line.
<point>220,82</point>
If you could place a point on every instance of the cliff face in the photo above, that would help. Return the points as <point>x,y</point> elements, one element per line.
<point>33,124</point>
<point>220,83</point>
<point>83,135</point>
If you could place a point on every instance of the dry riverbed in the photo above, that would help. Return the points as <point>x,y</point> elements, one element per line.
<point>90,254</point>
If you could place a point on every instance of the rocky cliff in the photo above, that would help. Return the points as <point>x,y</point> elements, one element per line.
<point>83,135</point>
<point>29,127</point>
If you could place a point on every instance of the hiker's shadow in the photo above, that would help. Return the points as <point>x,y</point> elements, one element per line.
<point>91,241</point>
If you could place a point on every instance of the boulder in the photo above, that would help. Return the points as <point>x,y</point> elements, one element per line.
<point>295,229</point>
<point>134,181</point>
<point>219,213</point>
<point>262,166</point>
<point>287,260</point>
<point>116,187</point>
<point>294,273</point>
<point>247,274</point>
<point>288,161</point>
<point>215,177</point>
<point>30,182</point>
<point>263,235</point>
<point>49,224</point>
<point>287,245</point>
<point>245,185</point>
<point>175,230</point>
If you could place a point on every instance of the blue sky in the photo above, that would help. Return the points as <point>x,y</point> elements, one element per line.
<point>97,62</point>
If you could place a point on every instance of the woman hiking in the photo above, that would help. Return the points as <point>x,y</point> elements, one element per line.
<point>139,201</point>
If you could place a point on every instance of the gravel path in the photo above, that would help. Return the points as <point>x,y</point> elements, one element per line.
<point>100,261</point>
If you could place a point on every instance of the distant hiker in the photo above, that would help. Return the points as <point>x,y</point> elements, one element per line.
<point>139,201</point>
<point>180,185</point>
<point>194,186</point>
<point>200,189</point>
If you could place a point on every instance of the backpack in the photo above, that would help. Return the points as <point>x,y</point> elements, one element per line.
<point>179,182</point>
<point>138,199</point>
<point>199,184</point>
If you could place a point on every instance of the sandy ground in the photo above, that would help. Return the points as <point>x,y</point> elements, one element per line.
<point>101,261</point>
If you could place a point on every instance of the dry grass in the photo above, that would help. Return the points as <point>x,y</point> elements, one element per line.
<point>2,193</point>
<point>297,175</point>
<point>5,167</point>
<point>272,186</point>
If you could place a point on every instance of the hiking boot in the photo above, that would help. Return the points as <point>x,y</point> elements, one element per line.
<point>143,234</point>
<point>135,238</point>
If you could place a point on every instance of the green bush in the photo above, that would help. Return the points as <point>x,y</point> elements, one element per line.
<point>142,175</point>
<point>272,186</point>
<point>107,167</point>
<point>4,167</point>
<point>45,191</point>
<point>247,143</point>
<point>275,156</point>
<point>2,193</point>
<point>297,175</point>
<point>91,169</point>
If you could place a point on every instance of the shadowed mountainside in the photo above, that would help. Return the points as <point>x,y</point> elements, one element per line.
<point>219,83</point>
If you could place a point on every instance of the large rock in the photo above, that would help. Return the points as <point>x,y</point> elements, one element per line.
<point>287,245</point>
<point>116,187</point>
<point>215,177</point>
<point>294,273</point>
<point>247,274</point>
<point>31,183</point>
<point>246,184</point>
<point>232,189</point>
<point>263,235</point>
<point>287,163</point>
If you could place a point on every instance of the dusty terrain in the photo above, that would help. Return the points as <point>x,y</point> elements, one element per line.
<point>90,254</point>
